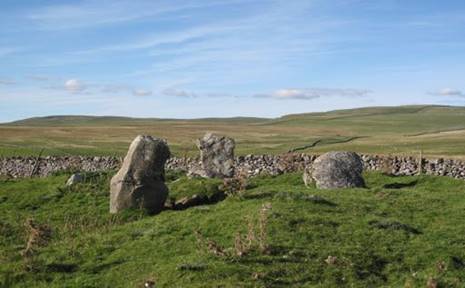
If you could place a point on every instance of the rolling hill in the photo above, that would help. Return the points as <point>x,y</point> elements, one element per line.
<point>437,130</point>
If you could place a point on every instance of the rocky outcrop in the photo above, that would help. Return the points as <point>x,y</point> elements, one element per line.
<point>140,183</point>
<point>216,157</point>
<point>335,170</point>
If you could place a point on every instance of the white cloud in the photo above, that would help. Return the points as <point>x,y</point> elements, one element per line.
<point>448,92</point>
<point>141,92</point>
<point>313,93</point>
<point>74,86</point>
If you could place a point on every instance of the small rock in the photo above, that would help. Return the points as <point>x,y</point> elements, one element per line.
<point>187,202</point>
<point>74,179</point>
<point>331,260</point>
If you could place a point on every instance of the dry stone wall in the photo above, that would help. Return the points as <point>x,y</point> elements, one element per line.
<point>251,165</point>
<point>17,167</point>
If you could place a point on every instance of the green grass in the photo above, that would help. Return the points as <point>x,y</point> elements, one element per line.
<point>398,231</point>
<point>437,130</point>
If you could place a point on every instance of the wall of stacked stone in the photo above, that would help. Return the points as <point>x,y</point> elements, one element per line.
<point>18,167</point>
<point>250,165</point>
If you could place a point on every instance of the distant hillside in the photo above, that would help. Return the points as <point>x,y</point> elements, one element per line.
<point>415,111</point>
<point>78,120</point>
<point>435,130</point>
<point>369,120</point>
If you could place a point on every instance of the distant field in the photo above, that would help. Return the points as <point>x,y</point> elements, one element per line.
<point>437,130</point>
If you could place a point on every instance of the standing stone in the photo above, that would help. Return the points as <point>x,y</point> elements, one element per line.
<point>216,156</point>
<point>338,170</point>
<point>140,183</point>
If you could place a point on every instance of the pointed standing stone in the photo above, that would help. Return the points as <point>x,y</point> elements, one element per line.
<point>140,183</point>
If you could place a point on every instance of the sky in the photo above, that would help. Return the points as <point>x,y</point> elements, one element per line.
<point>223,58</point>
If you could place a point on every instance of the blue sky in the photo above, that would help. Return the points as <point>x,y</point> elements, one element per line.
<point>215,58</point>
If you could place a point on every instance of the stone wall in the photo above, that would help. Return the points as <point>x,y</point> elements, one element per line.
<point>17,167</point>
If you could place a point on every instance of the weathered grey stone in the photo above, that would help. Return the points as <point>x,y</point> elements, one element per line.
<point>74,179</point>
<point>216,156</point>
<point>140,181</point>
<point>338,170</point>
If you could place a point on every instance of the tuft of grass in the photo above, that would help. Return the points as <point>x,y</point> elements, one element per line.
<point>361,239</point>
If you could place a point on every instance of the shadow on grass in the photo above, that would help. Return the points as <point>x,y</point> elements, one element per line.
<point>61,267</point>
<point>400,185</point>
<point>258,196</point>
<point>101,267</point>
<point>394,225</point>
<point>304,198</point>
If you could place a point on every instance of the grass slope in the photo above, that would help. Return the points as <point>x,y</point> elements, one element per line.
<point>437,130</point>
<point>398,231</point>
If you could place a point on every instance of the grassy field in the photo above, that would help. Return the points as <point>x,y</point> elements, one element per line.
<point>397,232</point>
<point>437,130</point>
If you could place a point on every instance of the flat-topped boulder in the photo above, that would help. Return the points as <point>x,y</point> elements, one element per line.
<point>216,156</point>
<point>335,170</point>
<point>140,183</point>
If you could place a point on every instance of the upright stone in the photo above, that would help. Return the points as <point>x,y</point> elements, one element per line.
<point>216,156</point>
<point>140,183</point>
<point>338,170</point>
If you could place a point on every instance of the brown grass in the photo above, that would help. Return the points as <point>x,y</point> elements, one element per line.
<point>38,235</point>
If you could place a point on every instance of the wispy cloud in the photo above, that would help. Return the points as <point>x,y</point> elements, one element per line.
<point>178,92</point>
<point>40,78</point>
<point>123,89</point>
<point>160,39</point>
<point>115,88</point>
<point>448,92</point>
<point>92,13</point>
<point>313,93</point>
<point>5,51</point>
<point>7,82</point>
<point>78,86</point>
<point>141,92</point>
